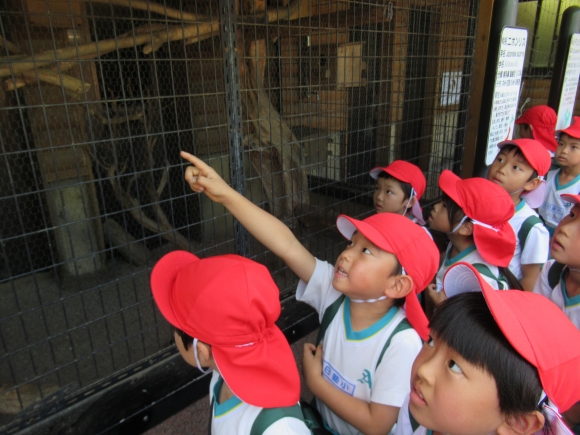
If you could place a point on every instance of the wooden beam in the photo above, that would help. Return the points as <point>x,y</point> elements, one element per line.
<point>476,91</point>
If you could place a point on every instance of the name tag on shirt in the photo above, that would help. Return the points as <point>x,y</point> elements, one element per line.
<point>553,212</point>
<point>335,378</point>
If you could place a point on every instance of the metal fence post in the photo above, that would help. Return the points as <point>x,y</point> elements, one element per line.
<point>570,25</point>
<point>228,33</point>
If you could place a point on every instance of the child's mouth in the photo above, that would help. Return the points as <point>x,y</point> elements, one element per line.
<point>416,397</point>
<point>340,271</point>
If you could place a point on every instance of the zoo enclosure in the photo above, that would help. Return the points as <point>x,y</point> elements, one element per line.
<point>292,102</point>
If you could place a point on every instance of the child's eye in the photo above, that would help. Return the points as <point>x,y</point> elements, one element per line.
<point>430,342</point>
<point>389,192</point>
<point>499,159</point>
<point>454,367</point>
<point>350,243</point>
<point>366,251</point>
<point>517,168</point>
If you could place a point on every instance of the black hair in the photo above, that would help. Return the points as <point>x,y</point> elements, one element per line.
<point>513,282</point>
<point>506,149</point>
<point>186,339</point>
<point>454,212</point>
<point>465,324</point>
<point>405,187</point>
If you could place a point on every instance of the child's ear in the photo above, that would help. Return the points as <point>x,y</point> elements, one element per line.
<point>399,286</point>
<point>412,202</point>
<point>466,228</point>
<point>204,352</point>
<point>522,424</point>
<point>532,184</point>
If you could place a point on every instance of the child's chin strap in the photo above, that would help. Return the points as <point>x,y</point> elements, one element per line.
<point>410,198</point>
<point>543,399</point>
<point>382,298</point>
<point>458,225</point>
<point>195,340</point>
<point>519,190</point>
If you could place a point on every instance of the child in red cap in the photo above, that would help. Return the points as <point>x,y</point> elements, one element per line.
<point>563,180</point>
<point>491,366</point>
<point>400,185</point>
<point>223,310</point>
<point>539,123</point>
<point>475,214</point>
<point>560,277</point>
<point>520,167</point>
<point>360,376</point>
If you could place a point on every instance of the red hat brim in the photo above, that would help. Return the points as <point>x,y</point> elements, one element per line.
<point>516,313</point>
<point>163,277</point>
<point>448,184</point>
<point>574,199</point>
<point>496,247</point>
<point>263,374</point>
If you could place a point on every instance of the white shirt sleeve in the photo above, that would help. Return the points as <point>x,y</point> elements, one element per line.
<point>542,286</point>
<point>318,292</point>
<point>537,246</point>
<point>393,375</point>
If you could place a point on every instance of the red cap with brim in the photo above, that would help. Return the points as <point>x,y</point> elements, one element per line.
<point>516,313</point>
<point>407,173</point>
<point>412,246</point>
<point>540,160</point>
<point>543,120</point>
<point>573,130</point>
<point>490,208</point>
<point>231,303</point>
<point>574,199</point>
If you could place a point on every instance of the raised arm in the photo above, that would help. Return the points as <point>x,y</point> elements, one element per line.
<point>269,230</point>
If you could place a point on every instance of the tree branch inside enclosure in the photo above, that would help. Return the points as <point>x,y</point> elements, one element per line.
<point>275,153</point>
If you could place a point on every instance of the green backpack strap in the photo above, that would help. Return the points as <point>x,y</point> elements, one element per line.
<point>327,317</point>
<point>526,228</point>
<point>402,326</point>
<point>554,274</point>
<point>484,270</point>
<point>269,416</point>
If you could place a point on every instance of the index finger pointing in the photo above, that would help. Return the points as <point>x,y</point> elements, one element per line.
<point>198,163</point>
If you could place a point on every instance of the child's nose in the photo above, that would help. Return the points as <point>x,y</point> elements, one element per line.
<point>425,370</point>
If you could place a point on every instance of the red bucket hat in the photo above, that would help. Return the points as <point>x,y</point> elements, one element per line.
<point>543,121</point>
<point>516,312</point>
<point>574,199</point>
<point>407,173</point>
<point>231,303</point>
<point>490,208</point>
<point>413,247</point>
<point>540,160</point>
<point>573,130</point>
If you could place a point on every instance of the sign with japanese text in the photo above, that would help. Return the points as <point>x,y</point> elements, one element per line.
<point>570,84</point>
<point>506,91</point>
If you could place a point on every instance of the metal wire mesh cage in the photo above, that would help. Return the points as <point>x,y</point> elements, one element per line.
<point>293,102</point>
<point>542,19</point>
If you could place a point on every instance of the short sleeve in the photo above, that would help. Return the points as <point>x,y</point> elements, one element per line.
<point>392,377</point>
<point>537,245</point>
<point>318,292</point>
<point>542,286</point>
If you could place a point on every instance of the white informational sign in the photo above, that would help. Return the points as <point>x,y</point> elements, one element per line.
<point>570,84</point>
<point>506,91</point>
<point>450,88</point>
